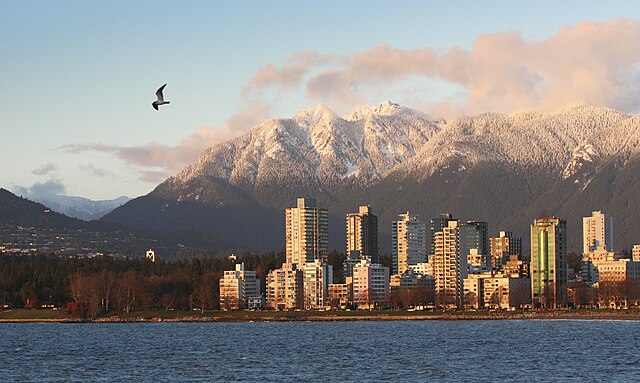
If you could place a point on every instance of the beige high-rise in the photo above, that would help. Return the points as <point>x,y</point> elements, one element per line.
<point>307,233</point>
<point>408,242</point>
<point>597,230</point>
<point>449,266</point>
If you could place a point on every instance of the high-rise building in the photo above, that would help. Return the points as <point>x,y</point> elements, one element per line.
<point>316,279</point>
<point>285,288</point>
<point>449,266</point>
<point>437,224</point>
<point>475,235</point>
<point>362,238</point>
<point>503,247</point>
<point>549,274</point>
<point>239,288</point>
<point>370,283</point>
<point>597,230</point>
<point>408,242</point>
<point>307,232</point>
<point>635,253</point>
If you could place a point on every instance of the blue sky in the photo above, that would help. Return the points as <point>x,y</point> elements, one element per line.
<point>78,78</point>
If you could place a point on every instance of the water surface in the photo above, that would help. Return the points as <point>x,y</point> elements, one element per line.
<point>398,351</point>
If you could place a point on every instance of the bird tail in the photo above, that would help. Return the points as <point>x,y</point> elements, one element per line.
<point>167,102</point>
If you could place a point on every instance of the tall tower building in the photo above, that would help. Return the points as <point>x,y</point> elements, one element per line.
<point>437,224</point>
<point>449,266</point>
<point>548,262</point>
<point>307,233</point>
<point>408,242</point>
<point>362,238</point>
<point>475,235</point>
<point>597,230</point>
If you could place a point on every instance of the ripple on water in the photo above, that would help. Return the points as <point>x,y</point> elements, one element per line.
<point>473,351</point>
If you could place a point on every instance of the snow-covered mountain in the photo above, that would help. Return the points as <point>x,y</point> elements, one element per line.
<point>314,153</point>
<point>78,207</point>
<point>501,168</point>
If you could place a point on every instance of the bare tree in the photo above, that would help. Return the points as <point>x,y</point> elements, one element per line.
<point>108,281</point>
<point>203,293</point>
<point>470,300</point>
<point>129,289</point>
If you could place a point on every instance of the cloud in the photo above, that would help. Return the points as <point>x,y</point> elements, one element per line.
<point>291,73</point>
<point>155,162</point>
<point>48,188</point>
<point>591,62</point>
<point>45,169</point>
<point>95,171</point>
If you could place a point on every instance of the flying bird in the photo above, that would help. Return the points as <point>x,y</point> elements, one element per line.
<point>160,100</point>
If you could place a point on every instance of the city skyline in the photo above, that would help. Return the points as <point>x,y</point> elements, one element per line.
<point>229,66</point>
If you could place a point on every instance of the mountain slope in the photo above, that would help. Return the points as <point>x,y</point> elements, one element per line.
<point>503,169</point>
<point>79,207</point>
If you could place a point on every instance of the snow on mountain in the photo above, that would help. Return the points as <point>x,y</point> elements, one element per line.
<point>316,149</point>
<point>78,207</point>
<point>318,152</point>
<point>558,141</point>
<point>564,162</point>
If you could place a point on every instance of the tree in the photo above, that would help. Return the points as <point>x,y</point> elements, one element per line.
<point>203,292</point>
<point>129,289</point>
<point>471,300</point>
<point>108,281</point>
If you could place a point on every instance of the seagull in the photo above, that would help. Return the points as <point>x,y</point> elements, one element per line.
<point>160,100</point>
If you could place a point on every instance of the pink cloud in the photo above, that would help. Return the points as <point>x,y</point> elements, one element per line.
<point>592,62</point>
<point>155,162</point>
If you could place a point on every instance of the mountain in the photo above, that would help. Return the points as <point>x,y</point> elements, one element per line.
<point>79,207</point>
<point>22,212</point>
<point>505,169</point>
<point>36,226</point>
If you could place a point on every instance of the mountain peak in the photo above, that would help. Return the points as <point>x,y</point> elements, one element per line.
<point>311,116</point>
<point>386,108</point>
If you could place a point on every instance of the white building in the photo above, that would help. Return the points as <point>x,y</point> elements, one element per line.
<point>285,288</point>
<point>408,242</point>
<point>370,284</point>
<point>597,230</point>
<point>449,266</point>
<point>317,277</point>
<point>307,232</point>
<point>240,288</point>
<point>151,255</point>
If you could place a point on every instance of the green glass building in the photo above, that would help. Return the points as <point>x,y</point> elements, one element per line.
<point>549,272</point>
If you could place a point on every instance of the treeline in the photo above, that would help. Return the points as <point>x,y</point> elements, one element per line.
<point>90,286</point>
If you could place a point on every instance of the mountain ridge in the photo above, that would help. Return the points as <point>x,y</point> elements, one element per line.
<point>499,168</point>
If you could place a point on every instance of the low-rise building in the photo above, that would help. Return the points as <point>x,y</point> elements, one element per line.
<point>240,288</point>
<point>285,288</point>
<point>473,291</point>
<point>504,292</point>
<point>341,294</point>
<point>412,280</point>
<point>370,284</point>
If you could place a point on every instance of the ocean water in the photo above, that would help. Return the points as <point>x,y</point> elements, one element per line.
<point>395,351</point>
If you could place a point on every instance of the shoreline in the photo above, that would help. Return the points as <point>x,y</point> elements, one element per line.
<point>35,316</point>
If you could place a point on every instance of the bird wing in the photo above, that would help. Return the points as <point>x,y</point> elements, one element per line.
<point>155,106</point>
<point>159,93</point>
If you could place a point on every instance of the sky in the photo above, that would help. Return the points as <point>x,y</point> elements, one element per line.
<point>77,78</point>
